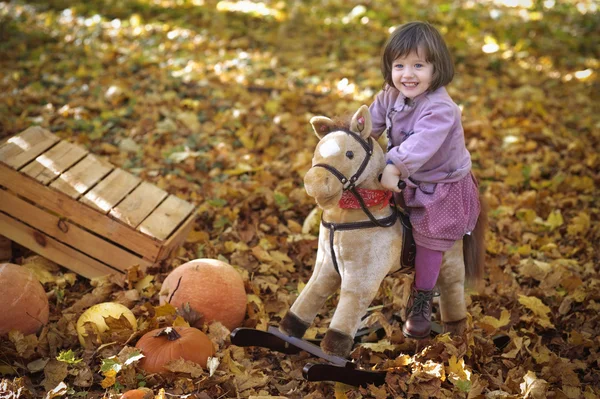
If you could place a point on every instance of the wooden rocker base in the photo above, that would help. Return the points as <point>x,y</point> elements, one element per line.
<point>336,369</point>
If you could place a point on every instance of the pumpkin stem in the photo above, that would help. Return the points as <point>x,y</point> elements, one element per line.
<point>170,332</point>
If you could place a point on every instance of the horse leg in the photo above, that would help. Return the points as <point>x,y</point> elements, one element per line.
<point>356,295</point>
<point>451,284</point>
<point>323,282</point>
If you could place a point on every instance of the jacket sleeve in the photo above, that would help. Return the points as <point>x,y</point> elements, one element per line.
<point>378,111</point>
<point>431,130</point>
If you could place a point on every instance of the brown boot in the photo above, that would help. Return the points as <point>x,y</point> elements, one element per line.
<point>418,314</point>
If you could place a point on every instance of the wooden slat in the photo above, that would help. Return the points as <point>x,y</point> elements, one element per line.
<point>166,218</point>
<point>110,191</point>
<point>25,146</point>
<point>51,249</point>
<point>79,213</point>
<point>139,204</point>
<point>177,237</point>
<point>53,162</point>
<point>68,233</point>
<point>81,177</point>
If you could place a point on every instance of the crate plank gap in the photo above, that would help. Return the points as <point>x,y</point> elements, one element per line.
<point>82,212</point>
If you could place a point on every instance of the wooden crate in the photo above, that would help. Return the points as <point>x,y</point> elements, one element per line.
<point>5,249</point>
<point>80,211</point>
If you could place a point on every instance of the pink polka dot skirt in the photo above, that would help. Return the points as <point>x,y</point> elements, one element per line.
<point>442,213</point>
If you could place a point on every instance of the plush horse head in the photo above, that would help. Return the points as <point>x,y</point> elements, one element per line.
<point>344,158</point>
<point>359,237</point>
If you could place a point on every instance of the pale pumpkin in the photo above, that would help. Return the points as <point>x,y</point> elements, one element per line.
<point>164,345</point>
<point>97,313</point>
<point>211,287</point>
<point>24,306</point>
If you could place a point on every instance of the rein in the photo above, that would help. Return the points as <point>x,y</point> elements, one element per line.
<point>349,185</point>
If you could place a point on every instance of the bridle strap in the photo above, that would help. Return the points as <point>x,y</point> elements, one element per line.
<point>388,221</point>
<point>349,185</point>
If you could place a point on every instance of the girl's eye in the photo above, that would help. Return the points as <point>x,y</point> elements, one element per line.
<point>350,154</point>
<point>398,66</point>
<point>418,65</point>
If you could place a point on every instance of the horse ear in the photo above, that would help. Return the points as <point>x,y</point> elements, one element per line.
<point>321,125</point>
<point>361,122</point>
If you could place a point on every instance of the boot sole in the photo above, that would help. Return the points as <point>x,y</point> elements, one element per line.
<point>412,336</point>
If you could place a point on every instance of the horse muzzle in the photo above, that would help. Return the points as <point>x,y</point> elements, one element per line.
<point>325,188</point>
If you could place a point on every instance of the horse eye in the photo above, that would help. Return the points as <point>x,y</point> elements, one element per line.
<point>350,154</point>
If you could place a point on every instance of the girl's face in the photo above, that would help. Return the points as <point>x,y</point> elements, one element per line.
<point>412,74</point>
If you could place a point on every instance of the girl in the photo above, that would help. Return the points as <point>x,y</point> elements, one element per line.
<point>427,160</point>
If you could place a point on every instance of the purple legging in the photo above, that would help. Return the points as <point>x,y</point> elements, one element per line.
<point>427,267</point>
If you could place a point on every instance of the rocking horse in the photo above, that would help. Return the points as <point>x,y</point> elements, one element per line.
<point>360,243</point>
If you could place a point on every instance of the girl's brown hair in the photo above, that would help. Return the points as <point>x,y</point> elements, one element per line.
<point>418,37</point>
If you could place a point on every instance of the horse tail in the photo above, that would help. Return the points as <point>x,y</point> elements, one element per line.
<point>474,248</point>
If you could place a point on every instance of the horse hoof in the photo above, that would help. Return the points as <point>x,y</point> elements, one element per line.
<point>456,327</point>
<point>337,343</point>
<point>293,326</point>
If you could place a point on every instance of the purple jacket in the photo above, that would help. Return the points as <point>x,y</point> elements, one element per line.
<point>425,136</point>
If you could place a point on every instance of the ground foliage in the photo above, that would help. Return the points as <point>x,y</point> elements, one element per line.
<point>211,101</point>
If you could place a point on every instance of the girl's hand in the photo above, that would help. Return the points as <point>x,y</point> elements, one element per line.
<point>390,178</point>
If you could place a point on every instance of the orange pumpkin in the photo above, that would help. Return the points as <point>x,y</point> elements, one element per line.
<point>163,345</point>
<point>24,305</point>
<point>211,287</point>
<point>140,393</point>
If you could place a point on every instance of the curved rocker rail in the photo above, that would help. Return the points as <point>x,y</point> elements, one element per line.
<point>336,369</point>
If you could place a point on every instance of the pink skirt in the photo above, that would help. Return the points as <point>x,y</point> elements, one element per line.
<point>442,213</point>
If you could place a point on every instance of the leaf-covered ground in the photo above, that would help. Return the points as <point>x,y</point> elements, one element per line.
<point>211,100</point>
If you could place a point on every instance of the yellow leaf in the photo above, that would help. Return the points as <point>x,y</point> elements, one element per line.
<point>180,322</point>
<point>272,106</point>
<point>240,169</point>
<point>145,286</point>
<point>403,360</point>
<point>533,387</point>
<point>233,366</point>
<point>231,246</point>
<point>197,236</point>
<point>579,225</point>
<point>534,304</point>
<point>261,254</point>
<point>110,377</point>
<point>280,256</point>
<point>579,295</point>
<point>7,370</point>
<point>434,369</point>
<point>185,366</point>
<point>245,138</point>
<point>340,390</point>
<point>165,310</point>
<point>571,391</point>
<point>518,343</point>
<point>538,308</point>
<point>378,392</point>
<point>190,120</point>
<point>456,368</point>
<point>527,215</point>
<point>380,346</point>
<point>554,220</point>
<point>496,323</point>
<point>542,354</point>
